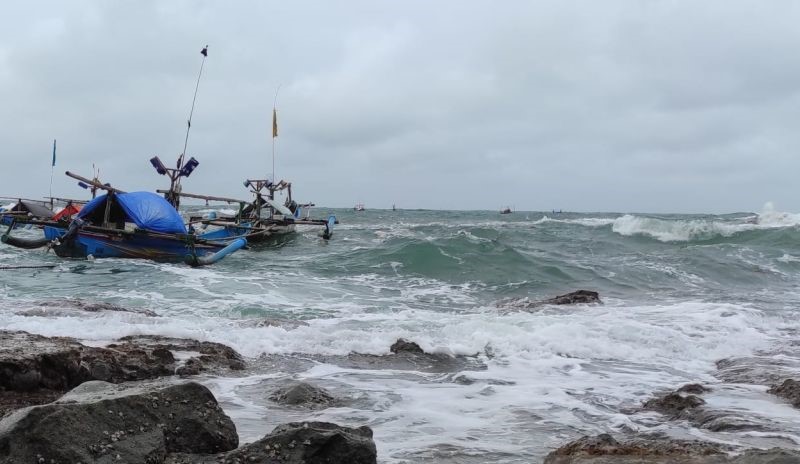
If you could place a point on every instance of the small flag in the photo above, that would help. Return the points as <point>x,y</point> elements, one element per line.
<point>54,152</point>
<point>204,51</point>
<point>274,122</point>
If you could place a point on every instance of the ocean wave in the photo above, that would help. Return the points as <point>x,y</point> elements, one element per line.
<point>685,230</point>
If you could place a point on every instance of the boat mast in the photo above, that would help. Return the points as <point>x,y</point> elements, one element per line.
<point>274,136</point>
<point>176,182</point>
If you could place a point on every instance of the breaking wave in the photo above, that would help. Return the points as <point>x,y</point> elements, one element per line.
<point>685,230</point>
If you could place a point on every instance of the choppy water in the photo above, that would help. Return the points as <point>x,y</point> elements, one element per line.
<point>679,292</point>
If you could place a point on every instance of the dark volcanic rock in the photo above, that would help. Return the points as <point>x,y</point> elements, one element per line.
<point>296,443</point>
<point>30,364</point>
<point>694,388</point>
<point>303,394</point>
<point>674,404</point>
<point>789,389</point>
<point>603,449</point>
<point>677,406</point>
<point>404,346</point>
<point>766,369</point>
<point>407,356</point>
<point>131,423</point>
<point>576,297</point>
<point>212,355</point>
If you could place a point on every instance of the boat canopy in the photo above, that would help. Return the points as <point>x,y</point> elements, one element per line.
<point>35,209</point>
<point>147,210</point>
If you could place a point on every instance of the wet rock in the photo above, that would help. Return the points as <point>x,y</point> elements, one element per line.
<point>296,443</point>
<point>604,449</point>
<point>12,400</point>
<point>789,389</point>
<point>131,423</point>
<point>304,395</point>
<point>421,362</point>
<point>674,404</point>
<point>694,388</point>
<point>29,362</point>
<point>766,369</point>
<point>32,363</point>
<point>192,366</point>
<point>73,306</point>
<point>211,355</point>
<point>404,346</point>
<point>576,297</point>
<point>689,407</point>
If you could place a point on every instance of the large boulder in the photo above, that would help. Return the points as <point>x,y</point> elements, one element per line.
<point>35,369</point>
<point>298,443</point>
<point>136,423</point>
<point>212,356</point>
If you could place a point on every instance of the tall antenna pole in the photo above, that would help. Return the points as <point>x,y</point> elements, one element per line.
<point>274,131</point>
<point>52,168</point>
<point>204,52</point>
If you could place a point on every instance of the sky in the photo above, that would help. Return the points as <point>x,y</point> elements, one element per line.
<point>624,106</point>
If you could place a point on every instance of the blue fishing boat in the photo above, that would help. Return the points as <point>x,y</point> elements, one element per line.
<point>127,225</point>
<point>135,225</point>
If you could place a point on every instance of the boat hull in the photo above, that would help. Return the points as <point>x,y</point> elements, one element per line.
<point>139,245</point>
<point>267,234</point>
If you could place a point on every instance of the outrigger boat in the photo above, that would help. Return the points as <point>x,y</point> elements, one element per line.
<point>128,225</point>
<point>23,209</point>
<point>260,220</point>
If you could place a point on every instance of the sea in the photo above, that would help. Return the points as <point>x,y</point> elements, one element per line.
<point>683,296</point>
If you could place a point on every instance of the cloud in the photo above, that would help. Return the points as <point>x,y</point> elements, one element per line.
<point>649,106</point>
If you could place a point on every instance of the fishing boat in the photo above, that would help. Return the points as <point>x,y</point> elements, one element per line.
<point>128,225</point>
<point>23,209</point>
<point>359,207</point>
<point>260,220</point>
<point>506,210</point>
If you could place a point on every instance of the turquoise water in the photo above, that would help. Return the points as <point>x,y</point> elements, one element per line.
<point>679,293</point>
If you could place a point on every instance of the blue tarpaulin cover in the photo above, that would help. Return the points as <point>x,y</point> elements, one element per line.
<point>146,209</point>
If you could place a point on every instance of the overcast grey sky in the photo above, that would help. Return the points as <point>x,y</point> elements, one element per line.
<point>648,106</point>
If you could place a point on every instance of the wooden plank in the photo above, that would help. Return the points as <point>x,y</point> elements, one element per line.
<point>206,197</point>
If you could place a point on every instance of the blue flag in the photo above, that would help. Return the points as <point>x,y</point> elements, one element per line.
<point>54,152</point>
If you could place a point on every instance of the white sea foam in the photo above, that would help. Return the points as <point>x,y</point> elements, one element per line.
<point>681,230</point>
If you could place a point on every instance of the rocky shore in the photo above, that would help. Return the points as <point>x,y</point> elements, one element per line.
<point>134,401</point>
<point>130,402</point>
<point>684,404</point>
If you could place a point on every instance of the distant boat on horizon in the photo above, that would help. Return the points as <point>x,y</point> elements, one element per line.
<point>359,207</point>
<point>506,210</point>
